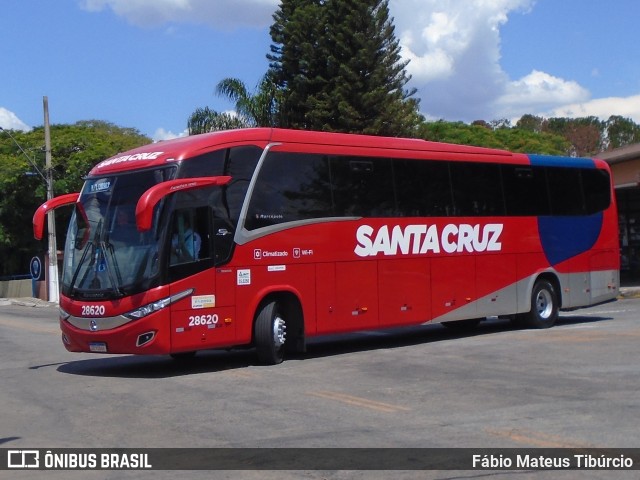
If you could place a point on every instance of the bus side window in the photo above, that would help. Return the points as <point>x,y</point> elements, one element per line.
<point>290,187</point>
<point>363,186</point>
<point>477,189</point>
<point>423,188</point>
<point>596,183</point>
<point>566,191</point>
<point>190,236</point>
<point>525,190</point>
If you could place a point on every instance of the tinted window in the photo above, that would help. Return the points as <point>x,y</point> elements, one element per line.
<point>290,187</point>
<point>363,187</point>
<point>477,189</point>
<point>240,164</point>
<point>191,244</point>
<point>207,165</point>
<point>237,162</point>
<point>525,190</point>
<point>295,186</point>
<point>597,188</point>
<point>565,191</point>
<point>423,188</point>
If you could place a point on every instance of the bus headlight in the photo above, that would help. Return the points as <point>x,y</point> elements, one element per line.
<point>156,306</point>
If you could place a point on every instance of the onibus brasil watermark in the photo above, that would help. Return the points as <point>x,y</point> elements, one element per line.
<point>320,459</point>
<point>532,461</point>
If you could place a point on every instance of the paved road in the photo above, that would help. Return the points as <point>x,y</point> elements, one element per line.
<point>576,385</point>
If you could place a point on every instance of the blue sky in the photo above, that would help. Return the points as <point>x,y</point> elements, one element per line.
<point>148,64</point>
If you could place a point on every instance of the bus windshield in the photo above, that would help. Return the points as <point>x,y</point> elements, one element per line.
<point>105,254</point>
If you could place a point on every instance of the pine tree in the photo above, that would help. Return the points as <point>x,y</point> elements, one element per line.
<point>296,59</point>
<point>337,66</point>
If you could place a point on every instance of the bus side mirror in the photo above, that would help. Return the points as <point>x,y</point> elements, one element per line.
<point>46,207</point>
<point>150,198</point>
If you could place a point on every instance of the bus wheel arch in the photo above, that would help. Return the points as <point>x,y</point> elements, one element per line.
<point>278,327</point>
<point>545,303</point>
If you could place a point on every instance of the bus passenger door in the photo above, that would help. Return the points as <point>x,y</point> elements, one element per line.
<point>204,319</point>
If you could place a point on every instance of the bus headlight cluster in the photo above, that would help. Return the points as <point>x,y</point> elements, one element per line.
<point>156,306</point>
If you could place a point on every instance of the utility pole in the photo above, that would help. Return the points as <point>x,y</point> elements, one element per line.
<point>53,249</point>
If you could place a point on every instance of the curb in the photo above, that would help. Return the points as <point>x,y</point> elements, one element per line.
<point>629,292</point>
<point>26,302</point>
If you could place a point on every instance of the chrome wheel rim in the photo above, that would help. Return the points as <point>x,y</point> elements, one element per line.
<point>544,304</point>
<point>279,332</point>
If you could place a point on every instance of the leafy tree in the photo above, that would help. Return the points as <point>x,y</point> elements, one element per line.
<point>256,110</point>
<point>480,134</point>
<point>500,123</point>
<point>298,59</point>
<point>530,123</point>
<point>252,110</point>
<point>482,123</point>
<point>205,120</point>
<point>75,149</point>
<point>337,66</point>
<point>585,134</point>
<point>621,131</point>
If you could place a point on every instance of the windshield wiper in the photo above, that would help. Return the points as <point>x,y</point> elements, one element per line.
<point>81,263</point>
<point>99,247</point>
<point>107,246</point>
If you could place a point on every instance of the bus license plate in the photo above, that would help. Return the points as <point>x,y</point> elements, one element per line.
<point>98,347</point>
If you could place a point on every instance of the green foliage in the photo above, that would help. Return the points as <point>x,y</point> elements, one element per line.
<point>482,134</point>
<point>621,131</point>
<point>253,110</point>
<point>581,137</point>
<point>337,67</point>
<point>204,120</point>
<point>298,59</point>
<point>75,149</point>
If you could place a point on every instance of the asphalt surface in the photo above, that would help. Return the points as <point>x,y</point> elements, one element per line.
<point>573,386</point>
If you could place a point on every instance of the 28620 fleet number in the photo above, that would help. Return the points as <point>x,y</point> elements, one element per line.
<point>198,320</point>
<point>93,310</point>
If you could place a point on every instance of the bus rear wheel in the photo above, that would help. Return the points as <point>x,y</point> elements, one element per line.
<point>270,334</point>
<point>544,306</point>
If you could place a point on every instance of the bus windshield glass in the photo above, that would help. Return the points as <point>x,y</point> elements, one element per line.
<point>105,254</point>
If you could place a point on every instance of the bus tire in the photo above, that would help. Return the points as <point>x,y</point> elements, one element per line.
<point>544,306</point>
<point>270,334</point>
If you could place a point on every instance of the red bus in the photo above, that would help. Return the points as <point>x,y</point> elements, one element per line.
<point>267,237</point>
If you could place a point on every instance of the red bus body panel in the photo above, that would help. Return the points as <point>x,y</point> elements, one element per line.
<point>354,274</point>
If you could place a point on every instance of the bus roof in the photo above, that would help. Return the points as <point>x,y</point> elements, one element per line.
<point>160,153</point>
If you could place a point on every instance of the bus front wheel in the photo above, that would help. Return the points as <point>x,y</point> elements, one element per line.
<point>270,334</point>
<point>544,306</point>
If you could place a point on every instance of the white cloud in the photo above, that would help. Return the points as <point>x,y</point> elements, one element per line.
<point>537,92</point>
<point>453,47</point>
<point>161,134</point>
<point>218,13</point>
<point>628,107</point>
<point>454,52</point>
<point>10,121</point>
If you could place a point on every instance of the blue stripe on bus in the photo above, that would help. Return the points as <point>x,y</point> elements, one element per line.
<point>566,237</point>
<point>553,161</point>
